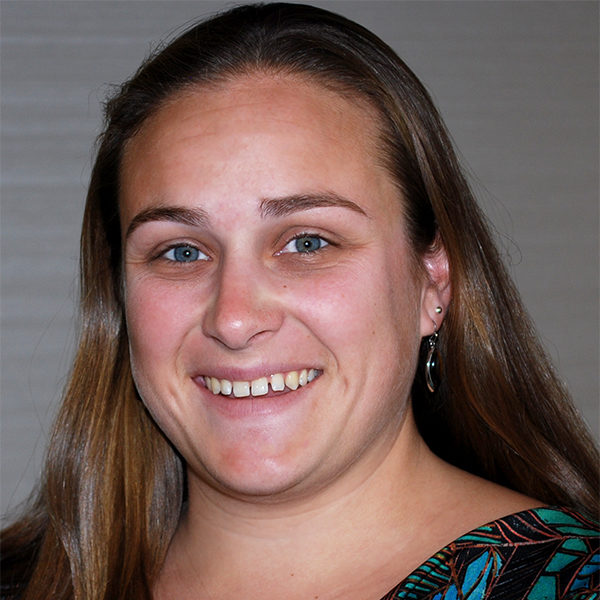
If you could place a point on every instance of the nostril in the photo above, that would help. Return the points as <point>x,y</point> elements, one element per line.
<point>238,321</point>
<point>244,306</point>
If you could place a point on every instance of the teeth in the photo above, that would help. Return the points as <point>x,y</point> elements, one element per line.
<point>241,389</point>
<point>303,377</point>
<point>226,387</point>
<point>259,387</point>
<point>291,380</point>
<point>277,382</point>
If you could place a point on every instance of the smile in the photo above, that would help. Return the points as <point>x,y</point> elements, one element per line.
<point>278,382</point>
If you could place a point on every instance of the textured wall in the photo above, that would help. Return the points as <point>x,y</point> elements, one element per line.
<point>516,81</point>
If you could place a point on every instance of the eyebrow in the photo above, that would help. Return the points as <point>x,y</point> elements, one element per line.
<point>286,205</point>
<point>195,217</point>
<point>269,207</point>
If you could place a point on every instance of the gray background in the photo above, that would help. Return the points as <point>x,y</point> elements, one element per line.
<point>516,81</point>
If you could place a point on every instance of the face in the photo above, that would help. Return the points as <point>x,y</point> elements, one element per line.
<point>273,308</point>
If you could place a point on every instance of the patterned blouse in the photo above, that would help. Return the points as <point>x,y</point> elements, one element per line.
<point>540,554</point>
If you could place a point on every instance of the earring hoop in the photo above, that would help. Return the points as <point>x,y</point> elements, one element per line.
<point>432,363</point>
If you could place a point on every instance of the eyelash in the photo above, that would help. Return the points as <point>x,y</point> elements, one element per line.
<point>172,249</point>
<point>323,243</point>
<point>300,236</point>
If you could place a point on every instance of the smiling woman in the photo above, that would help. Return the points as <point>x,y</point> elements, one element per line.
<point>255,303</point>
<point>265,294</point>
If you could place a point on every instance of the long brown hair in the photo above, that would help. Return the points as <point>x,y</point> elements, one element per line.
<point>113,486</point>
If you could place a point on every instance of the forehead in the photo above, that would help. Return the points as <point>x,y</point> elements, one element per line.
<point>269,102</point>
<point>291,132</point>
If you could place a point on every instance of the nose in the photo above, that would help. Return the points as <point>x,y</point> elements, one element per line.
<point>243,307</point>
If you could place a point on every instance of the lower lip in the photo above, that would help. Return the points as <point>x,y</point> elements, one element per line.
<point>253,406</point>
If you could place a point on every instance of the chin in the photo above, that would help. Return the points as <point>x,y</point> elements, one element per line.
<point>263,479</point>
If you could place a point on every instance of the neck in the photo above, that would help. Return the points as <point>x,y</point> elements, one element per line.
<point>379,502</point>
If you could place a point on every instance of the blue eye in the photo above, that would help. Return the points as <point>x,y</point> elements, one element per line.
<point>184,254</point>
<point>305,244</point>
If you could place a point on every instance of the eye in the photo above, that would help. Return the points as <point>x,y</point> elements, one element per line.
<point>305,244</point>
<point>184,253</point>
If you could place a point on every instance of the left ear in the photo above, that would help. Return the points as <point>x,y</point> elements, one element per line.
<point>436,292</point>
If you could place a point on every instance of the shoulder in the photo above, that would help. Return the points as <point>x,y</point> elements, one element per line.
<point>537,525</point>
<point>540,554</point>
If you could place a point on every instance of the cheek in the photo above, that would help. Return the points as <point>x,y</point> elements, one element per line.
<point>362,304</point>
<point>156,319</point>
<point>336,305</point>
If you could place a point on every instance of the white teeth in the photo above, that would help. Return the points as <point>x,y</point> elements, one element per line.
<point>277,382</point>
<point>226,387</point>
<point>303,377</point>
<point>291,380</point>
<point>241,389</point>
<point>260,387</point>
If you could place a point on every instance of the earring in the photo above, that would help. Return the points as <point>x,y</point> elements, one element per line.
<point>432,363</point>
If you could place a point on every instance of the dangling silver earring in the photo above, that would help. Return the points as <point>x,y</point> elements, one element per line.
<point>432,362</point>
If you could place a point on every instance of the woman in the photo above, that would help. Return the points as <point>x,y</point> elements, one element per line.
<point>257,405</point>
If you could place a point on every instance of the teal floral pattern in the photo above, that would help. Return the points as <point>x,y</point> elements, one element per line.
<point>540,554</point>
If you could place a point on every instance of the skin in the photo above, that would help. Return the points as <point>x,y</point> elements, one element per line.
<point>275,481</point>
